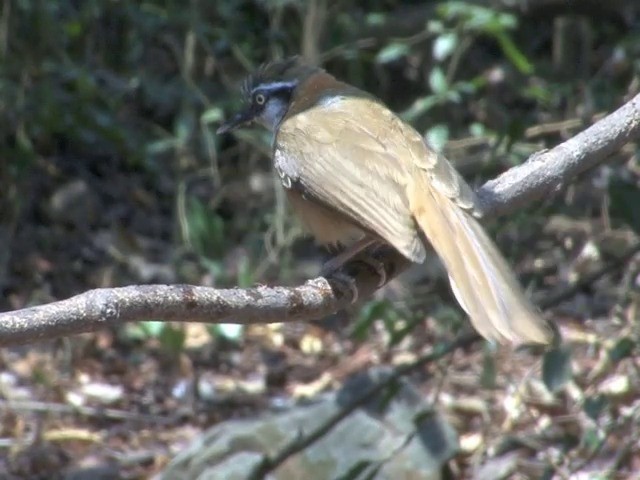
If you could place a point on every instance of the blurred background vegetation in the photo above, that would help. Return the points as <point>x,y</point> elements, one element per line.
<point>112,174</point>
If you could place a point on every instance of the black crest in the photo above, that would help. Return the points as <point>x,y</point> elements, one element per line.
<point>286,71</point>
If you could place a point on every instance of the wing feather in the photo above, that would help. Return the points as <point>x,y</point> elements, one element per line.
<point>341,151</point>
<point>339,159</point>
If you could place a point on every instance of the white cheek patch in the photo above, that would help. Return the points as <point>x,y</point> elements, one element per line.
<point>273,113</point>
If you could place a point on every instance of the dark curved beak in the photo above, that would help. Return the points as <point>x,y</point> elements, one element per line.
<point>237,121</point>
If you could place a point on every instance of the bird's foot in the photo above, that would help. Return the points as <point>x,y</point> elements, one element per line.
<point>345,285</point>
<point>377,266</point>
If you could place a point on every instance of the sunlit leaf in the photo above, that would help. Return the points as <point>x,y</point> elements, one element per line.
<point>152,328</point>
<point>435,26</point>
<point>513,53</point>
<point>438,81</point>
<point>480,19</point>
<point>392,52</point>
<point>230,331</point>
<point>211,115</point>
<point>419,107</point>
<point>444,45</point>
<point>161,146</point>
<point>438,136</point>
<point>477,129</point>
<point>375,19</point>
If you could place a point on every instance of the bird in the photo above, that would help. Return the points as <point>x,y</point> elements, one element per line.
<point>357,174</point>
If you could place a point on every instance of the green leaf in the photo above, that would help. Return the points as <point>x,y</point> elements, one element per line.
<point>437,136</point>
<point>172,338</point>
<point>143,330</point>
<point>161,146</point>
<point>488,376</point>
<point>184,126</point>
<point>513,53</point>
<point>474,18</point>
<point>477,18</point>
<point>444,45</point>
<point>370,312</point>
<point>206,229</point>
<point>230,331</point>
<point>419,107</point>
<point>593,406</point>
<point>392,52</point>
<point>400,329</point>
<point>211,115</point>
<point>556,368</point>
<point>375,19</point>
<point>435,27</point>
<point>592,439</point>
<point>477,129</point>
<point>245,273</point>
<point>622,349</point>
<point>74,28</point>
<point>438,81</point>
<point>625,198</point>
<point>152,328</point>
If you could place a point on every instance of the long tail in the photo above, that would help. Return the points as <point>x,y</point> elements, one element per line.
<point>481,280</point>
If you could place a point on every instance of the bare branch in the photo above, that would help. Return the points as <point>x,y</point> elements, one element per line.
<point>547,172</point>
<point>543,174</point>
<point>109,307</point>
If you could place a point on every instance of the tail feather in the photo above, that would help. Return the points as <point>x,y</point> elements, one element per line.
<point>481,279</point>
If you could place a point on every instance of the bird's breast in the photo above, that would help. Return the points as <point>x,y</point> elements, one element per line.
<point>328,227</point>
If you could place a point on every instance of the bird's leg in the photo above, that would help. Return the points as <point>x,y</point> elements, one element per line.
<point>347,254</point>
<point>333,265</point>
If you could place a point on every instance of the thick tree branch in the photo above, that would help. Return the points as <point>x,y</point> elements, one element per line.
<point>543,174</point>
<point>547,172</point>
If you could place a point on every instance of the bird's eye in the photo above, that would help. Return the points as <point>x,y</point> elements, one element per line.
<point>259,99</point>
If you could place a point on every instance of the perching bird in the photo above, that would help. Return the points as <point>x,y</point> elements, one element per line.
<point>356,173</point>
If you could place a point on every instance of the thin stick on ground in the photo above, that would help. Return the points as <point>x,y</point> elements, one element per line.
<point>269,464</point>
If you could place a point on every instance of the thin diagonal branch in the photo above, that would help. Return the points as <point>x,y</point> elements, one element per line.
<point>543,174</point>
<point>297,444</point>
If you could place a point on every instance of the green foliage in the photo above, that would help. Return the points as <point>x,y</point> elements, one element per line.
<point>623,348</point>
<point>143,85</point>
<point>205,229</point>
<point>377,310</point>
<point>556,368</point>
<point>459,23</point>
<point>625,198</point>
<point>392,52</point>
<point>150,81</point>
<point>229,331</point>
<point>595,405</point>
<point>489,374</point>
<point>479,20</point>
<point>170,336</point>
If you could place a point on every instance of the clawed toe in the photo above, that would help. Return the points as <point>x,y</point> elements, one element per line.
<point>346,285</point>
<point>376,265</point>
